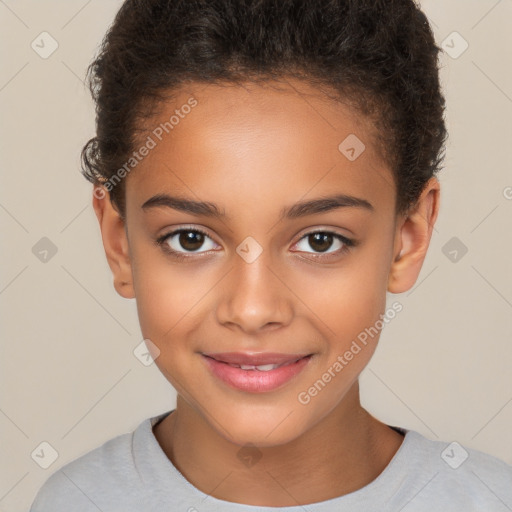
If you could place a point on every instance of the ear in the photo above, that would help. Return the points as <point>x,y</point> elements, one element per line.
<point>115,242</point>
<point>412,238</point>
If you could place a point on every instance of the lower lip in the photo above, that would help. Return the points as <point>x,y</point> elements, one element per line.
<point>255,381</point>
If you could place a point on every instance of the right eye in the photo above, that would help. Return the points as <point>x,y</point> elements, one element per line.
<point>183,241</point>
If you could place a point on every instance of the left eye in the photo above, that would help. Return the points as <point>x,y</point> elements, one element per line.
<point>321,241</point>
<point>189,239</point>
<point>185,242</point>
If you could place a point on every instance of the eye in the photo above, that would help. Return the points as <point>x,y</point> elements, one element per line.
<point>323,241</point>
<point>185,240</point>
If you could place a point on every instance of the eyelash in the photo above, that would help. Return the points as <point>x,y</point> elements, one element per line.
<point>161,242</point>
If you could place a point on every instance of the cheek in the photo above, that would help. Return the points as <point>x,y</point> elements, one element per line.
<point>165,295</point>
<point>347,298</point>
<point>348,303</point>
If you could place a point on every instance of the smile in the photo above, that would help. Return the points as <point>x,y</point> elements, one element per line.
<point>256,378</point>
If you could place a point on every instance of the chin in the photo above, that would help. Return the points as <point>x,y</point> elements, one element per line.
<point>261,427</point>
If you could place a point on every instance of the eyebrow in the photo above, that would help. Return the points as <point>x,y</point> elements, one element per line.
<point>302,209</point>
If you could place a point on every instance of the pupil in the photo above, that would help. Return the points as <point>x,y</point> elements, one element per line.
<point>322,240</point>
<point>191,240</point>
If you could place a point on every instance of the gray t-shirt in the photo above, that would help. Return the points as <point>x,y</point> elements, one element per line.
<point>132,473</point>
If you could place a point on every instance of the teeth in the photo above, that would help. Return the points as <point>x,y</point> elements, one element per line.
<point>267,367</point>
<point>261,368</point>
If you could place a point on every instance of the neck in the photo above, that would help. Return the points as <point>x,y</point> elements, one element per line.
<point>342,453</point>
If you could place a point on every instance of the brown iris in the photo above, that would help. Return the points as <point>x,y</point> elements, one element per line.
<point>191,240</point>
<point>320,241</point>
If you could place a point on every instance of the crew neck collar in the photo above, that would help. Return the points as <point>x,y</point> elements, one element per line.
<point>158,471</point>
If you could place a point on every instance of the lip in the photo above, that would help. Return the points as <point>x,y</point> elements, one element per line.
<point>257,381</point>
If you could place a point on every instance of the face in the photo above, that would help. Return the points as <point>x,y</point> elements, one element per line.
<point>252,270</point>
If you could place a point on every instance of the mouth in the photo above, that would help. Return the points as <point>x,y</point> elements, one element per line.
<point>256,373</point>
<point>245,360</point>
<point>260,367</point>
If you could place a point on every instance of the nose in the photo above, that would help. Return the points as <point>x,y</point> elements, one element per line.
<point>253,297</point>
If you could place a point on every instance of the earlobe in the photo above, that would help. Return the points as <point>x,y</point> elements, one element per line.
<point>412,239</point>
<point>115,242</point>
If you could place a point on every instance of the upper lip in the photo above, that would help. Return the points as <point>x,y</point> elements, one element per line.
<point>255,359</point>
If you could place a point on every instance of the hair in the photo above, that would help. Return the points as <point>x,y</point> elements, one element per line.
<point>379,56</point>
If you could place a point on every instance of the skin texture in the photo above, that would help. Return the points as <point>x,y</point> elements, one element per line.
<point>253,150</point>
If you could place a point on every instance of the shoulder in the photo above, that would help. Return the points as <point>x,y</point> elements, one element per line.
<point>455,474</point>
<point>95,481</point>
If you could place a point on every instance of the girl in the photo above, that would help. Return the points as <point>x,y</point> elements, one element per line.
<point>264,173</point>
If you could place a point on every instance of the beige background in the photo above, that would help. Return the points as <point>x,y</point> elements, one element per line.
<point>68,374</point>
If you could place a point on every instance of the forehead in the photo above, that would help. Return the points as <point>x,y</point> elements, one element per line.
<point>237,144</point>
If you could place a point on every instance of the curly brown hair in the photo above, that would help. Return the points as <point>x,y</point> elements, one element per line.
<point>378,55</point>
